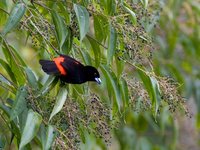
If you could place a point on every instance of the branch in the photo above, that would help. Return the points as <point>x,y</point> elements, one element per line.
<point>89,36</point>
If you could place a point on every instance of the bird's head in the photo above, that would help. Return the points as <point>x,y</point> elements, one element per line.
<point>92,74</point>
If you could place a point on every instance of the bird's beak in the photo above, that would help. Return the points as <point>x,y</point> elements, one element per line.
<point>98,80</point>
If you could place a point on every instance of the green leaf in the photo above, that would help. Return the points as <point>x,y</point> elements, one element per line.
<point>6,109</point>
<point>133,16</point>
<point>31,128</point>
<point>153,89</point>
<point>156,96</point>
<point>18,57</point>
<point>15,62</point>
<point>96,50</point>
<point>49,84</point>
<point>4,80</point>
<point>4,6</point>
<point>120,66</point>
<point>6,83</point>
<point>101,27</point>
<point>8,70</point>
<point>109,5</point>
<point>112,83</point>
<point>60,100</point>
<point>2,141</point>
<point>31,78</point>
<point>86,57</point>
<point>144,3</point>
<point>15,16</point>
<point>175,71</point>
<point>111,44</point>
<point>61,30</point>
<point>83,20</point>
<point>47,136</point>
<point>99,23</point>
<point>20,102</point>
<point>22,119</point>
<point>124,91</point>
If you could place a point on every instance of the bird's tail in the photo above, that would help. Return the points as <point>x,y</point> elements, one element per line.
<point>49,67</point>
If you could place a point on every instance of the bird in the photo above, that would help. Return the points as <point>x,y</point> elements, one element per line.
<point>70,70</point>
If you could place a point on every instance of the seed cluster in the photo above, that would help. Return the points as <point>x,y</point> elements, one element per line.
<point>139,98</point>
<point>74,25</point>
<point>170,95</point>
<point>74,119</point>
<point>39,29</point>
<point>99,118</point>
<point>138,47</point>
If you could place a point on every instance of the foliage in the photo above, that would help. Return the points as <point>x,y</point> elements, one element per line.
<point>136,102</point>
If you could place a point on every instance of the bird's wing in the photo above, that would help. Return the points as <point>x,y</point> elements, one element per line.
<point>71,65</point>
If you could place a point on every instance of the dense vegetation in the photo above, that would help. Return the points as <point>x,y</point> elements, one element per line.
<point>147,53</point>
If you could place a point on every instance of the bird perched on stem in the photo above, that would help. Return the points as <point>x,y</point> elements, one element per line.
<point>70,70</point>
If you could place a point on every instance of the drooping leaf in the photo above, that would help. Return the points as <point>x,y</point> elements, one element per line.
<point>156,94</point>
<point>22,119</point>
<point>19,103</point>
<point>5,109</point>
<point>96,51</point>
<point>15,16</point>
<point>133,15</point>
<point>31,128</point>
<point>18,57</point>
<point>4,80</point>
<point>14,128</point>
<point>124,91</point>
<point>49,84</point>
<point>83,19</point>
<point>31,78</point>
<point>112,83</point>
<point>111,44</point>
<point>61,31</point>
<point>15,62</point>
<point>153,89</point>
<point>99,27</point>
<point>8,70</point>
<point>4,6</point>
<point>109,5</point>
<point>60,100</point>
<point>47,136</point>
<point>86,57</point>
<point>120,66</point>
<point>7,83</point>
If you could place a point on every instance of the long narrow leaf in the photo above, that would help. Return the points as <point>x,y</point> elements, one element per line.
<point>61,98</point>
<point>83,20</point>
<point>20,102</point>
<point>47,136</point>
<point>61,30</point>
<point>31,128</point>
<point>96,51</point>
<point>133,15</point>
<point>14,18</point>
<point>8,70</point>
<point>152,86</point>
<point>113,84</point>
<point>111,44</point>
<point>31,78</point>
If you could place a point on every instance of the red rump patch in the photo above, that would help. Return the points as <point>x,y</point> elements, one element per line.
<point>58,62</point>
